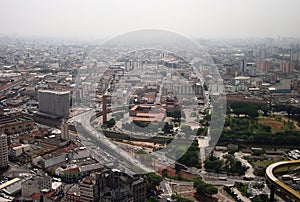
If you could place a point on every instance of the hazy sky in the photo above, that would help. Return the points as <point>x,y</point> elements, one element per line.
<point>193,18</point>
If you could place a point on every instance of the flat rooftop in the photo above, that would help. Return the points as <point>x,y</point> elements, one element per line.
<point>54,92</point>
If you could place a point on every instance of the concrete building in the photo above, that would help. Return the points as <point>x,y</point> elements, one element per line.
<point>18,150</point>
<point>287,66</point>
<point>35,185</point>
<point>73,194</point>
<point>263,66</point>
<point>147,113</point>
<point>54,104</point>
<point>242,67</point>
<point>117,186</point>
<point>11,187</point>
<point>65,130</point>
<point>3,151</point>
<point>88,190</point>
<point>10,124</point>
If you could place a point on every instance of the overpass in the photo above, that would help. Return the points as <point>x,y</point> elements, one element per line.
<point>277,184</point>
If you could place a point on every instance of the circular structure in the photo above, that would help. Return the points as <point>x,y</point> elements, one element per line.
<point>148,85</point>
<point>277,184</point>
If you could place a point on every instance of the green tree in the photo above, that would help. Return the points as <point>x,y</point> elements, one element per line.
<point>204,188</point>
<point>165,173</point>
<point>152,199</point>
<point>110,123</point>
<point>154,179</point>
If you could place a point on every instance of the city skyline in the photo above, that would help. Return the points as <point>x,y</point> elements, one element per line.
<point>106,19</point>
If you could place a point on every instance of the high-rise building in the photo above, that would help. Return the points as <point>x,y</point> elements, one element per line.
<point>263,66</point>
<point>3,151</point>
<point>65,130</point>
<point>287,66</point>
<point>54,104</point>
<point>242,67</point>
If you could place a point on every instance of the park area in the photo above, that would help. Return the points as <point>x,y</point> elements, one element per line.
<point>278,123</point>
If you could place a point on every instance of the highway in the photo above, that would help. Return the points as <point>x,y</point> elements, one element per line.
<point>88,132</point>
<point>276,183</point>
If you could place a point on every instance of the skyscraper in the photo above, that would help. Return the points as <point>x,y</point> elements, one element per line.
<point>242,67</point>
<point>3,151</point>
<point>54,104</point>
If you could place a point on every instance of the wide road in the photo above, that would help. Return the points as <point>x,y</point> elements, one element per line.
<point>86,130</point>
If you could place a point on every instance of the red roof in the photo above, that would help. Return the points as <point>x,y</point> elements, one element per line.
<point>50,194</point>
<point>72,170</point>
<point>35,196</point>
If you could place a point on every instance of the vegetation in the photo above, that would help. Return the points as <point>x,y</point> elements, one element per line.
<point>244,108</point>
<point>249,131</point>
<point>231,165</point>
<point>213,164</point>
<point>152,199</point>
<point>204,188</point>
<point>167,128</point>
<point>260,198</point>
<point>234,166</point>
<point>202,131</point>
<point>153,181</point>
<point>243,188</point>
<point>176,115</point>
<point>110,123</point>
<point>191,156</point>
<point>180,199</point>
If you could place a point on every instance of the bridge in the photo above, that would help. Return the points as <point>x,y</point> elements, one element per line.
<point>277,184</point>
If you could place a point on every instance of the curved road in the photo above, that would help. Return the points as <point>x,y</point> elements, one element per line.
<point>277,183</point>
<point>89,132</point>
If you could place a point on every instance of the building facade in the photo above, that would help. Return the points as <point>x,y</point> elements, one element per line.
<point>287,67</point>
<point>3,151</point>
<point>54,104</point>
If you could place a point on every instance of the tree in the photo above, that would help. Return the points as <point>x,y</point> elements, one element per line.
<point>176,115</point>
<point>110,123</point>
<point>167,127</point>
<point>154,179</point>
<point>152,199</point>
<point>191,156</point>
<point>204,188</point>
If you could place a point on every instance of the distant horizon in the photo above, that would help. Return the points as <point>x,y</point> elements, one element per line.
<point>93,38</point>
<point>105,19</point>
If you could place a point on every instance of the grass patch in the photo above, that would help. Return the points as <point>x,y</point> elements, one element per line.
<point>263,163</point>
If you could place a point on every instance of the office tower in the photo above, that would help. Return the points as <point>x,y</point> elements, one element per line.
<point>3,151</point>
<point>54,104</point>
<point>242,67</point>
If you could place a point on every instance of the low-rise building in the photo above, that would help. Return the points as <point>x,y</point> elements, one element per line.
<point>35,185</point>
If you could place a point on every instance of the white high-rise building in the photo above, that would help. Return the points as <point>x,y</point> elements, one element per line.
<point>3,151</point>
